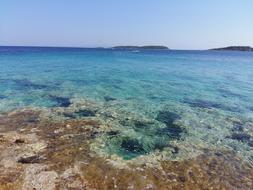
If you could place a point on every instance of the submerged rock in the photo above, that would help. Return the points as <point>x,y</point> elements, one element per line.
<point>113,133</point>
<point>203,104</point>
<point>109,98</point>
<point>85,113</point>
<point>132,145</point>
<point>148,138</point>
<point>206,104</point>
<point>137,124</point>
<point>167,117</point>
<point>80,113</point>
<point>2,97</point>
<point>25,84</point>
<point>61,101</point>
<point>243,137</point>
<point>238,126</point>
<point>228,93</point>
<point>173,131</point>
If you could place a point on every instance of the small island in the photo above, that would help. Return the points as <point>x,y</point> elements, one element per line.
<point>141,47</point>
<point>235,48</point>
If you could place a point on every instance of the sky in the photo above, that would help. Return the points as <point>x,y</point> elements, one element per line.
<point>178,24</point>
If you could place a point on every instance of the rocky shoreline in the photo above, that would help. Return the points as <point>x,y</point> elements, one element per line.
<point>37,152</point>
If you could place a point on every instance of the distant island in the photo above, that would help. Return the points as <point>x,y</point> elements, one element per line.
<point>235,48</point>
<point>141,47</point>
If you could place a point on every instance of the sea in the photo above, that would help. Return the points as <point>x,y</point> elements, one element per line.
<point>157,105</point>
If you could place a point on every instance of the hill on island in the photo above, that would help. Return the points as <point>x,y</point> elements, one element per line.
<point>235,48</point>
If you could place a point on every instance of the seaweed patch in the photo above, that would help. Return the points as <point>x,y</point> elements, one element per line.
<point>132,145</point>
<point>167,117</point>
<point>2,97</point>
<point>228,93</point>
<point>206,104</point>
<point>203,104</point>
<point>238,126</point>
<point>80,113</point>
<point>172,130</point>
<point>242,137</point>
<point>109,98</point>
<point>24,84</point>
<point>61,101</point>
<point>146,137</point>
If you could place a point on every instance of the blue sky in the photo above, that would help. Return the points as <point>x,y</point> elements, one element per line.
<point>179,24</point>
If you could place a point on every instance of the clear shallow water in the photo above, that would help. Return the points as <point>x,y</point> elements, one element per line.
<point>174,103</point>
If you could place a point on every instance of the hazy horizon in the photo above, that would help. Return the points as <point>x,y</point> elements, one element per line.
<point>97,47</point>
<point>194,25</point>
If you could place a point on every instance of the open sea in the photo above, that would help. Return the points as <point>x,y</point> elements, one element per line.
<point>154,106</point>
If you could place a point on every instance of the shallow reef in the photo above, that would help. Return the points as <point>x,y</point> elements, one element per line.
<point>60,101</point>
<point>206,104</point>
<point>38,152</point>
<point>2,97</point>
<point>24,84</point>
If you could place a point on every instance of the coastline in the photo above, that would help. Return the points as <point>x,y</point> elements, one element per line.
<point>41,150</point>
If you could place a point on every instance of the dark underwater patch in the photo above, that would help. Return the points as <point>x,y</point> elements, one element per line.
<point>242,137</point>
<point>202,103</point>
<point>141,124</point>
<point>80,113</point>
<point>112,133</point>
<point>209,105</point>
<point>157,98</point>
<point>149,138</point>
<point>109,98</point>
<point>85,113</point>
<point>250,108</point>
<point>115,86</point>
<point>167,117</point>
<point>2,97</point>
<point>238,127</point>
<point>132,145</point>
<point>250,143</point>
<point>138,125</point>
<point>60,101</point>
<point>173,131</point>
<point>25,84</point>
<point>228,93</point>
<point>107,80</point>
<point>85,82</point>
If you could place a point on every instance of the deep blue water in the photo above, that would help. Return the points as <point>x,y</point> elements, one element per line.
<point>208,94</point>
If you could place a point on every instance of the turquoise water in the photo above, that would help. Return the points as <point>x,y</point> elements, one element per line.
<point>175,103</point>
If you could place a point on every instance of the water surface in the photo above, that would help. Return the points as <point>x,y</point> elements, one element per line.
<point>171,103</point>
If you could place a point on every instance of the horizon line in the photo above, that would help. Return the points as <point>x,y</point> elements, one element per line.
<point>111,47</point>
